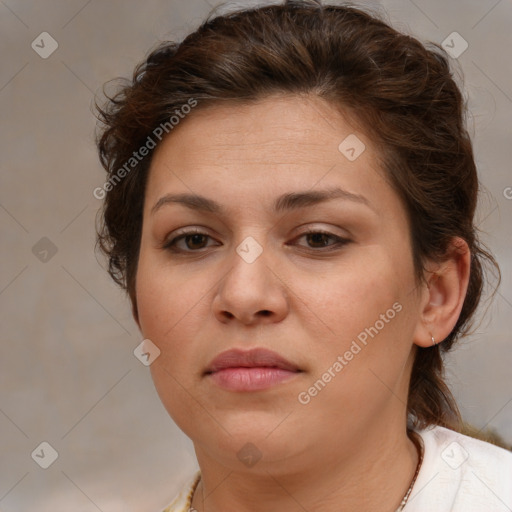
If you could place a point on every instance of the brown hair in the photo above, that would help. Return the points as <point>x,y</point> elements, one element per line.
<point>401,92</point>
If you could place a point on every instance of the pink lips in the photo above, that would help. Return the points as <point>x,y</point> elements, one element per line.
<point>251,370</point>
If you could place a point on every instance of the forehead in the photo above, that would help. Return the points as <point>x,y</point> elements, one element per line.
<point>240,153</point>
<point>298,125</point>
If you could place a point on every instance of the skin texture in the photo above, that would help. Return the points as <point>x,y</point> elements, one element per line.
<point>348,445</point>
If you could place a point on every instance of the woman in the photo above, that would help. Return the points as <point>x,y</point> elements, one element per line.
<point>289,206</point>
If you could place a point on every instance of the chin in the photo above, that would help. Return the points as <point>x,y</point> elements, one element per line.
<point>247,449</point>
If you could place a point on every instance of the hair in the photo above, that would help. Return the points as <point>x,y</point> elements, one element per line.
<point>400,91</point>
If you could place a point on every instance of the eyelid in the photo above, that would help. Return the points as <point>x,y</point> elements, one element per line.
<point>325,230</point>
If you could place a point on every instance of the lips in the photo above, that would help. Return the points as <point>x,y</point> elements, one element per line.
<point>250,370</point>
<point>255,358</point>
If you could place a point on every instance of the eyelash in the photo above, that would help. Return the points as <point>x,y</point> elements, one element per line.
<point>339,241</point>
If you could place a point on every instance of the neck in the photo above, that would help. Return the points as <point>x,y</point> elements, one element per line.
<point>374,473</point>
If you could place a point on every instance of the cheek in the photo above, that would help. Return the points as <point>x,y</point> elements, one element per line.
<point>164,294</point>
<point>351,295</point>
<point>359,311</point>
<point>170,307</point>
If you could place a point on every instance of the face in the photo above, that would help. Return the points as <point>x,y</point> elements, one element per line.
<point>296,245</point>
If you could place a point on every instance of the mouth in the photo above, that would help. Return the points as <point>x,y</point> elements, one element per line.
<point>251,370</point>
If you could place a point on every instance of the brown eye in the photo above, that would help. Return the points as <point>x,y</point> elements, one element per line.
<point>195,241</point>
<point>322,240</point>
<point>189,241</point>
<point>318,239</point>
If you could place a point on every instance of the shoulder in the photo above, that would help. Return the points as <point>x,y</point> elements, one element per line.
<point>183,500</point>
<point>461,473</point>
<point>467,452</point>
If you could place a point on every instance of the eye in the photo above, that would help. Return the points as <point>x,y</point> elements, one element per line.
<point>317,239</point>
<point>188,241</point>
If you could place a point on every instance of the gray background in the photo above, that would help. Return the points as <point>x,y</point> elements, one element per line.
<point>68,374</point>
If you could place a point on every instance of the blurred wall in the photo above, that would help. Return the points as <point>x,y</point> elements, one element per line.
<point>68,376</point>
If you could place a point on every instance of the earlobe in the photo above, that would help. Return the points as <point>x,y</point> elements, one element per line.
<point>445,293</point>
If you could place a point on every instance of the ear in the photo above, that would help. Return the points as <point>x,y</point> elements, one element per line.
<point>443,295</point>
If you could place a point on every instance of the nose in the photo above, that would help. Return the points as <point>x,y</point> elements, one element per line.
<point>251,292</point>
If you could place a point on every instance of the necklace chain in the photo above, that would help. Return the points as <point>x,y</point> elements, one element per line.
<point>419,447</point>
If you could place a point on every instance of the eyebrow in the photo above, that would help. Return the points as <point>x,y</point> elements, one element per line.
<point>285,202</point>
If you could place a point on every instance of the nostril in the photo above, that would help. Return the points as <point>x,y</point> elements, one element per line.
<point>265,312</point>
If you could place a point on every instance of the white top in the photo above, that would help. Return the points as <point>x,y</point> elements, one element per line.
<point>458,474</point>
<point>461,474</point>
